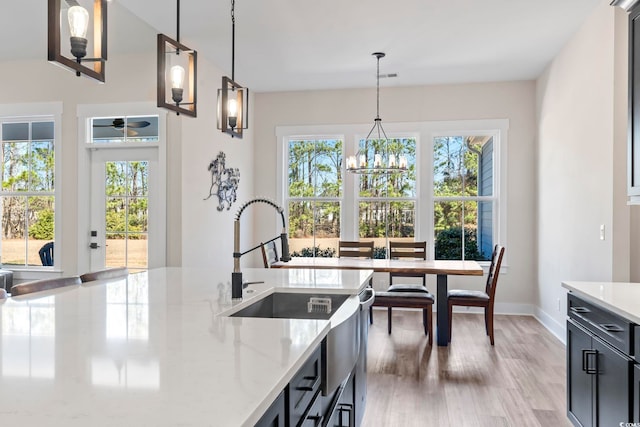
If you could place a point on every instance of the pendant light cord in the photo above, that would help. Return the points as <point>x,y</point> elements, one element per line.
<point>233,40</point>
<point>377,88</point>
<point>178,22</point>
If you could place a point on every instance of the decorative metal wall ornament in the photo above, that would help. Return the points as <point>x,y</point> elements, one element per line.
<point>224,182</point>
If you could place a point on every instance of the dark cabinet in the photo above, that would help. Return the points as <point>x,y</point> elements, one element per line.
<point>600,371</point>
<point>342,413</point>
<point>635,392</point>
<point>275,416</point>
<point>633,167</point>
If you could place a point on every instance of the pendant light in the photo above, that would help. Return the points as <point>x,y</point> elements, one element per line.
<point>233,99</point>
<point>70,17</point>
<point>384,159</point>
<point>177,63</point>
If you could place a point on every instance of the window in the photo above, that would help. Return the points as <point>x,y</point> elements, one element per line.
<point>387,202</point>
<point>463,197</point>
<point>125,129</point>
<point>28,189</point>
<point>314,195</point>
<point>453,195</point>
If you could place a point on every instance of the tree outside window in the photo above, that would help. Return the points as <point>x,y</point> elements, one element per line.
<point>314,196</point>
<point>463,197</point>
<point>387,204</point>
<point>27,193</point>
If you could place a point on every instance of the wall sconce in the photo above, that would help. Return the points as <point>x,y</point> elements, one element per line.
<point>233,99</point>
<point>174,59</point>
<point>71,23</point>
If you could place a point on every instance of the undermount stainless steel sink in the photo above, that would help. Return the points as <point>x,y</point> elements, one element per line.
<point>342,344</point>
<point>287,305</point>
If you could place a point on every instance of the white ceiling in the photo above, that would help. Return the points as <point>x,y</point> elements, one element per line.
<point>310,44</point>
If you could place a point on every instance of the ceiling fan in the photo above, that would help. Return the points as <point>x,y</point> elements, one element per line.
<point>119,123</point>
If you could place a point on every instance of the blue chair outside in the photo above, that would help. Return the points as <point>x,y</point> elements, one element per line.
<point>46,254</point>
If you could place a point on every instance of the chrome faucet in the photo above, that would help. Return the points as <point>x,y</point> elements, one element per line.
<point>236,276</point>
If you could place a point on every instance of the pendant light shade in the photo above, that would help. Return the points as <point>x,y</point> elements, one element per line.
<point>68,31</point>
<point>233,99</point>
<point>177,74</point>
<point>383,159</point>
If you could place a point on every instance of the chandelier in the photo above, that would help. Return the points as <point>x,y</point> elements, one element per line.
<point>385,158</point>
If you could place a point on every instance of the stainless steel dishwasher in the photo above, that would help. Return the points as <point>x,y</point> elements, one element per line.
<point>366,300</point>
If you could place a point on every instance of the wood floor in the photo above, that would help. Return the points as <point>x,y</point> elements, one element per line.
<point>518,382</point>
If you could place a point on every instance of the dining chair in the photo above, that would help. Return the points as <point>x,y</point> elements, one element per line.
<point>407,295</point>
<point>269,253</point>
<point>109,273</point>
<point>43,285</point>
<point>474,298</point>
<point>358,249</point>
<point>3,293</point>
<point>46,254</point>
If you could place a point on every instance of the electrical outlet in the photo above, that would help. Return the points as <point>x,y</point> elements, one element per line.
<point>601,231</point>
<point>558,304</point>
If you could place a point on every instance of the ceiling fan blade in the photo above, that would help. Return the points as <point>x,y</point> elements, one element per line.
<point>131,132</point>
<point>140,124</point>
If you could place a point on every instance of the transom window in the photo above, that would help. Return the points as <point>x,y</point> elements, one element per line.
<point>124,129</point>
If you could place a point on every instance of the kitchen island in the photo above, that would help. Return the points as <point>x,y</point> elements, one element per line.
<point>156,349</point>
<point>603,349</point>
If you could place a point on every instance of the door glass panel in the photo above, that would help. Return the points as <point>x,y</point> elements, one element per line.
<point>126,214</point>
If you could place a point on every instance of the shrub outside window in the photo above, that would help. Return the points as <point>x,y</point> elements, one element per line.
<point>463,197</point>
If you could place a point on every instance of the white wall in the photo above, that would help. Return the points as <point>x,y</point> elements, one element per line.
<point>513,100</point>
<point>580,181</point>
<point>197,234</point>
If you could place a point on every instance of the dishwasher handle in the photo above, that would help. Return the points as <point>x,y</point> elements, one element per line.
<point>369,301</point>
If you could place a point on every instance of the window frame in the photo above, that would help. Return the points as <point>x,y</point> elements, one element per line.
<point>34,112</point>
<point>424,132</point>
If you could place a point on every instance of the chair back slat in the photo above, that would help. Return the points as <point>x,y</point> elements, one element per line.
<point>407,250</point>
<point>414,250</point>
<point>44,285</point>
<point>494,271</point>
<point>355,249</point>
<point>269,254</point>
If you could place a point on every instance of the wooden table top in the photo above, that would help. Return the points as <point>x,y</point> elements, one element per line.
<point>458,268</point>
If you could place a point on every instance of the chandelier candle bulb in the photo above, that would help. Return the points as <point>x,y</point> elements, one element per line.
<point>403,162</point>
<point>363,161</point>
<point>377,161</point>
<point>351,162</point>
<point>392,161</point>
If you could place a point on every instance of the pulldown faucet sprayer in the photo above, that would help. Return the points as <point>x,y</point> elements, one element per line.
<point>236,276</point>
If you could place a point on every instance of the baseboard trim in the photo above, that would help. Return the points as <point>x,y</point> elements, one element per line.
<point>558,329</point>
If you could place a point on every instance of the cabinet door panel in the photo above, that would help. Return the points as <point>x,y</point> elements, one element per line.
<point>579,383</point>
<point>613,396</point>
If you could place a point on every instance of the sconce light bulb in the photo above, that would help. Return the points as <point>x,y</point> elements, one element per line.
<point>177,77</point>
<point>78,21</point>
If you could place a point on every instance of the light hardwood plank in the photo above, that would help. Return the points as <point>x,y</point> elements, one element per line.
<point>518,382</point>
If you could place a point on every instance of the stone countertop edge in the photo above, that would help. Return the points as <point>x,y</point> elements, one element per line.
<point>621,298</point>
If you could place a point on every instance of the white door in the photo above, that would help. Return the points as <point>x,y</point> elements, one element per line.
<point>127,209</point>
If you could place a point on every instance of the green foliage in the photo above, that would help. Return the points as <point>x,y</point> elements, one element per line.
<point>448,244</point>
<point>379,252</point>
<point>42,229</point>
<point>316,251</point>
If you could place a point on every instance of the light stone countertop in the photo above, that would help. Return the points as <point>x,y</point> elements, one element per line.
<point>154,350</point>
<point>619,297</point>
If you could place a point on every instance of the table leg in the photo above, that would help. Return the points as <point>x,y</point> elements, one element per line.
<point>443,311</point>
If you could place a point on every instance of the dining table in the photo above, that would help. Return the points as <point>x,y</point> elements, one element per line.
<point>441,268</point>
